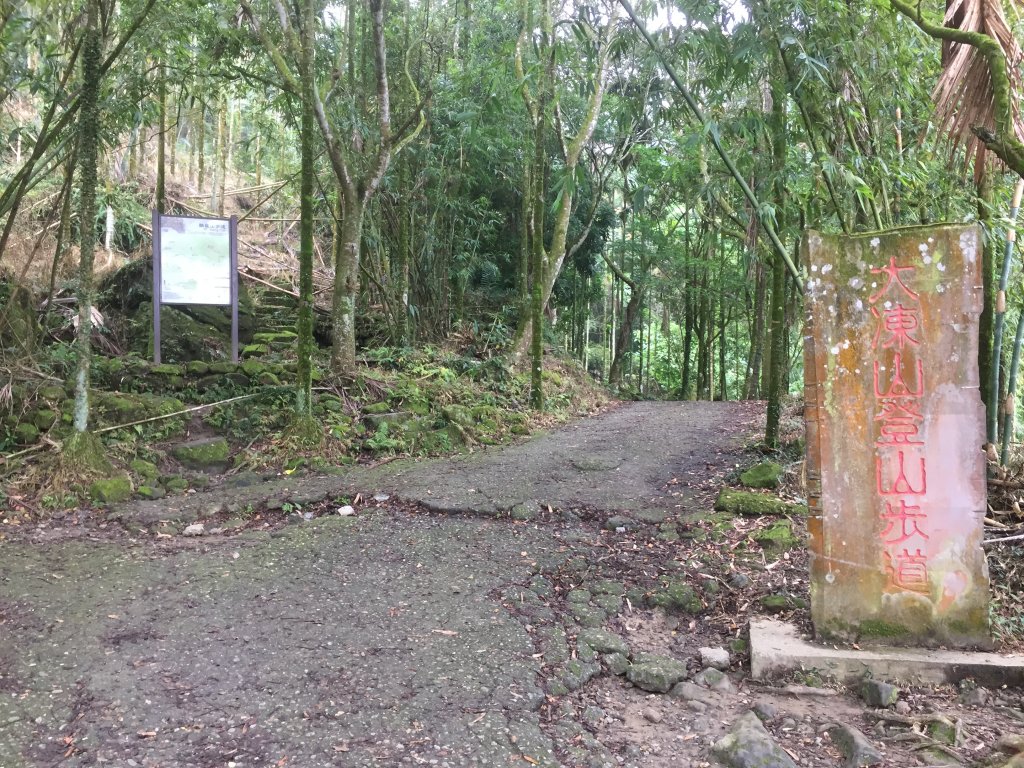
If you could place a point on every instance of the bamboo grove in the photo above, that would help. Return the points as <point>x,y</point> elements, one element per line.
<point>626,183</point>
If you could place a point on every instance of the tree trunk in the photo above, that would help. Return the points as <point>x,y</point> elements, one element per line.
<point>348,231</point>
<point>537,323</point>
<point>88,150</point>
<point>525,230</point>
<point>777,373</point>
<point>723,393</point>
<point>175,132</point>
<point>688,311</point>
<point>304,323</point>
<point>752,389</point>
<point>625,336</point>
<point>986,335</point>
<point>63,233</point>
<point>401,268</point>
<point>161,152</point>
<point>222,145</point>
<point>258,158</point>
<point>201,146</point>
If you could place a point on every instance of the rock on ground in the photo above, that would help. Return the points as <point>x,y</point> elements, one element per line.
<point>655,673</point>
<point>858,751</point>
<point>749,745</point>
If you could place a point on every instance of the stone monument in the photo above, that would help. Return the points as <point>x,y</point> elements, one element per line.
<point>895,436</point>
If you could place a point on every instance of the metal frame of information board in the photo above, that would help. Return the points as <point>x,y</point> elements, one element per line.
<point>157,283</point>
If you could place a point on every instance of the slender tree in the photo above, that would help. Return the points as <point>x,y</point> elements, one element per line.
<point>83,452</point>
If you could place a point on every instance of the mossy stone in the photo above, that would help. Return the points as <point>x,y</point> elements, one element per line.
<point>616,663</point>
<point>656,674</point>
<point>211,453</point>
<point>254,350</point>
<point>942,730</point>
<point>777,537</point>
<point>608,587</point>
<point>115,408</point>
<point>174,483</point>
<point>877,693</point>
<point>752,504</point>
<point>603,641</point>
<point>52,393</point>
<point>652,516</point>
<point>144,469</point>
<point>678,596</point>
<point>767,474</point>
<point>44,418</point>
<point>377,408</point>
<point>524,512</point>
<point>253,368</point>
<point>111,490</point>
<point>167,369</point>
<point>587,615</point>
<point>269,337</point>
<point>151,492</point>
<point>197,367</point>
<point>779,602</point>
<point>267,379</point>
<point>610,604</point>
<point>26,433</point>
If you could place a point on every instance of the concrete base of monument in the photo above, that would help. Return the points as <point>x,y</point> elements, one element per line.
<point>777,648</point>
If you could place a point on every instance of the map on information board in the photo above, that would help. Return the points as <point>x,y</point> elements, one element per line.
<point>195,261</point>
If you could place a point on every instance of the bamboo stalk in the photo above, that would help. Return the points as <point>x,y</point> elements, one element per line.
<point>268,284</point>
<point>1000,314</point>
<point>1004,540</point>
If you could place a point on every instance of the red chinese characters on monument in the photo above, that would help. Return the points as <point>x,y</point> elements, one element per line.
<point>901,472</point>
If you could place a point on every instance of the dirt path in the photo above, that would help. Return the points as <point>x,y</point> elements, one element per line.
<point>401,636</point>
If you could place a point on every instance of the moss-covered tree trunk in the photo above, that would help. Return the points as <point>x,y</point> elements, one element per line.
<point>88,149</point>
<point>538,254</point>
<point>348,232</point>
<point>777,373</point>
<point>304,324</point>
<point>83,452</point>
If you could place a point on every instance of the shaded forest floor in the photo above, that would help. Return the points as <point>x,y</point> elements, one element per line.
<point>477,610</point>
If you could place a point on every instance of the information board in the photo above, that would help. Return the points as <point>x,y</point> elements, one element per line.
<point>195,261</point>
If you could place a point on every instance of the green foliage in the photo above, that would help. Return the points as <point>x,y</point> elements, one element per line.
<point>382,441</point>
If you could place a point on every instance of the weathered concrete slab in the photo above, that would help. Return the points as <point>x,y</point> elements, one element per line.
<point>895,434</point>
<point>777,647</point>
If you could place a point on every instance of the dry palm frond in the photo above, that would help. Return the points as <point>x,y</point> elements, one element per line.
<point>964,97</point>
